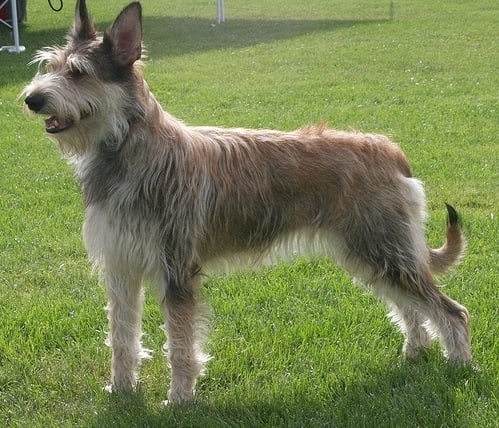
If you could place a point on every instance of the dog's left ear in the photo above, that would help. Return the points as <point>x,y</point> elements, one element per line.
<point>125,35</point>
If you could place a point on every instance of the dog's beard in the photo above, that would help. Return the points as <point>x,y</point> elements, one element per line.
<point>78,116</point>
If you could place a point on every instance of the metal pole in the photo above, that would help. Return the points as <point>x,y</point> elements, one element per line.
<point>15,25</point>
<point>220,11</point>
<point>17,48</point>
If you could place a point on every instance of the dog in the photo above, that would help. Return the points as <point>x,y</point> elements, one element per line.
<point>164,201</point>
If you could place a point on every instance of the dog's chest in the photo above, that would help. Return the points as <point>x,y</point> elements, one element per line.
<point>120,239</point>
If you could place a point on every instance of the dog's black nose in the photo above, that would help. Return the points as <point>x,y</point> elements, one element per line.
<point>35,101</point>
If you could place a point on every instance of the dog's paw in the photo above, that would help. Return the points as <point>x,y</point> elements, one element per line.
<point>412,351</point>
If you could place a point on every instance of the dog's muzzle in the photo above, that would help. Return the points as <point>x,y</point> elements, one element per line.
<point>54,124</point>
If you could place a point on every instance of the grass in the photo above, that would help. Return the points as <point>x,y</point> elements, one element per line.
<point>293,345</point>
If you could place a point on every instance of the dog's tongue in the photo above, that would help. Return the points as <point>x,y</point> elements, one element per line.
<point>54,124</point>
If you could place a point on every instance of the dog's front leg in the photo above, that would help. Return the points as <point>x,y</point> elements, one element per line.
<point>124,309</point>
<point>184,334</point>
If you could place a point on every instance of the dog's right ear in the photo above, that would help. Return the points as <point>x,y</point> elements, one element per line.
<point>83,28</point>
<point>125,35</point>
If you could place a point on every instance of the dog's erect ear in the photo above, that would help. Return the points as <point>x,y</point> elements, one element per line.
<point>83,26</point>
<point>125,35</point>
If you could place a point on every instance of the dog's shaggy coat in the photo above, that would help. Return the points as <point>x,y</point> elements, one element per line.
<point>164,200</point>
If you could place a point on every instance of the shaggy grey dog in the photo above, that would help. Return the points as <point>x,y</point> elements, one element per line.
<point>163,201</point>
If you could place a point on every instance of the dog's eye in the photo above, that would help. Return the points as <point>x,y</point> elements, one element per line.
<point>76,73</point>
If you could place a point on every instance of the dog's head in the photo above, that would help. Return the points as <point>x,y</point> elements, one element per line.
<point>88,88</point>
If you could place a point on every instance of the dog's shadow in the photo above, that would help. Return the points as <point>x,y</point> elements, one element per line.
<point>409,393</point>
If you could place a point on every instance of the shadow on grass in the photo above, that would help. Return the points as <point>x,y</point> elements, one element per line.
<point>405,394</point>
<point>180,36</point>
<point>174,36</point>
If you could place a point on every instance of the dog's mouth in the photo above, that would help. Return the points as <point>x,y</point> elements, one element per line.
<point>54,124</point>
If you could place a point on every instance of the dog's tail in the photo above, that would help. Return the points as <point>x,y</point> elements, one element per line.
<point>450,254</point>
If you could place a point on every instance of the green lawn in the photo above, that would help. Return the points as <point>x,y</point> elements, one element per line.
<point>294,345</point>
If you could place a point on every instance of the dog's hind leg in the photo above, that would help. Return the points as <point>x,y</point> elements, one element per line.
<point>184,331</point>
<point>450,322</point>
<point>424,311</point>
<point>124,310</point>
<point>411,324</point>
<point>386,249</point>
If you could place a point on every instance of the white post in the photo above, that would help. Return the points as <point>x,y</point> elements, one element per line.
<point>220,11</point>
<point>15,25</point>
